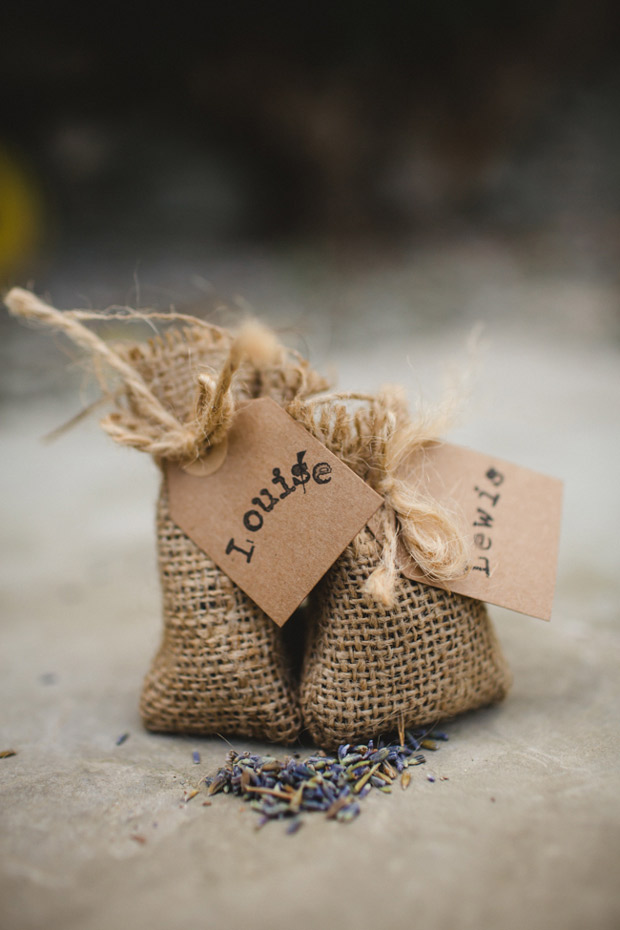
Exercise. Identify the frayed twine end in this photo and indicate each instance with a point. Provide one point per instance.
(381, 586)
(256, 344)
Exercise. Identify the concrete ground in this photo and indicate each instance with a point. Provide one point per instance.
(524, 831)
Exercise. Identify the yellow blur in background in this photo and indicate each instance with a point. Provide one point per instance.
(21, 216)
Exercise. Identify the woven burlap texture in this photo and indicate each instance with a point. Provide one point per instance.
(369, 670)
(221, 667)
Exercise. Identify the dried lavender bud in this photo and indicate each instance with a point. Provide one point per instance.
(285, 789)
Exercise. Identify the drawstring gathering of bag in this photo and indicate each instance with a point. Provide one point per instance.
(376, 440)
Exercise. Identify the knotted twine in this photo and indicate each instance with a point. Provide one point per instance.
(376, 440)
(146, 424)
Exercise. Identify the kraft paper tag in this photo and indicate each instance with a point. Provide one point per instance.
(277, 512)
(512, 515)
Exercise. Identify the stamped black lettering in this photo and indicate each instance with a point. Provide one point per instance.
(278, 478)
(266, 507)
(484, 518)
(232, 547)
(252, 520)
(484, 541)
(482, 568)
(299, 471)
(492, 497)
(320, 471)
(480, 539)
(495, 477)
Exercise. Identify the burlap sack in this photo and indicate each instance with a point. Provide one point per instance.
(370, 669)
(385, 652)
(222, 666)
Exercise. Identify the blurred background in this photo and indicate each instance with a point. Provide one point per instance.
(295, 155)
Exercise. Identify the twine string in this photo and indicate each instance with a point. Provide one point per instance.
(376, 440)
(147, 425)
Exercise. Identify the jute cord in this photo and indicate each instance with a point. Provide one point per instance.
(376, 439)
(147, 425)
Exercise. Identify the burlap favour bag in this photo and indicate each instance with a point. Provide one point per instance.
(370, 668)
(385, 652)
(222, 666)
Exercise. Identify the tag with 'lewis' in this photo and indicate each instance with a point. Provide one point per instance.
(277, 511)
(512, 517)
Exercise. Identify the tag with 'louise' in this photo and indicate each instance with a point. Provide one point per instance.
(276, 511)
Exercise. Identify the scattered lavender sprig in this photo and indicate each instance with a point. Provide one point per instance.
(333, 785)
